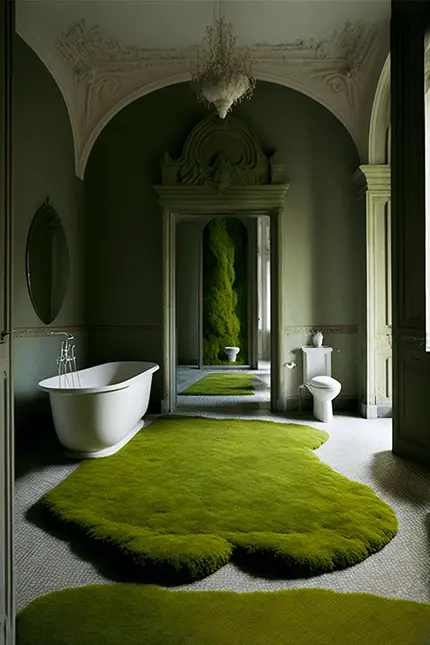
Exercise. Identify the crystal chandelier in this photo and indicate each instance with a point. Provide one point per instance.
(223, 79)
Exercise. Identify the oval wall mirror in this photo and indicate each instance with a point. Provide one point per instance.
(47, 263)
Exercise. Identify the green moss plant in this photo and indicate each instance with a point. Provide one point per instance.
(224, 290)
(131, 614)
(186, 495)
(222, 385)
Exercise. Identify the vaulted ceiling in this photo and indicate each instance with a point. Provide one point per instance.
(104, 54)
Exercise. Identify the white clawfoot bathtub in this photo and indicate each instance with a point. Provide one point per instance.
(100, 416)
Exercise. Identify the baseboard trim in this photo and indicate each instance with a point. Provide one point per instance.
(375, 411)
(368, 411)
(347, 402)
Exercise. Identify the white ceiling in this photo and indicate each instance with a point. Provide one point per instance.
(179, 23)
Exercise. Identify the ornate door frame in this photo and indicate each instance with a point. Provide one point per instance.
(222, 171)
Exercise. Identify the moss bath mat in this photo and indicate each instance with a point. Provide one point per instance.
(186, 495)
(135, 614)
(222, 385)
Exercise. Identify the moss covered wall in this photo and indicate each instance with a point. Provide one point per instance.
(225, 311)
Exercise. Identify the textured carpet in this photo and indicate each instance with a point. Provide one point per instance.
(135, 614)
(186, 495)
(222, 385)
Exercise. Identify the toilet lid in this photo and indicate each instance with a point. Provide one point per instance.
(323, 382)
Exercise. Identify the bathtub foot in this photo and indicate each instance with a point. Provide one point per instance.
(105, 452)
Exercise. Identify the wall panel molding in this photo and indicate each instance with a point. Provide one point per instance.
(37, 332)
(325, 329)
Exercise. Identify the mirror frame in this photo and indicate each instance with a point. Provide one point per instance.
(46, 204)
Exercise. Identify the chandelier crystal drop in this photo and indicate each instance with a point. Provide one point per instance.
(223, 80)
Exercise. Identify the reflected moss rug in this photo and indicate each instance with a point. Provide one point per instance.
(186, 495)
(143, 614)
(222, 385)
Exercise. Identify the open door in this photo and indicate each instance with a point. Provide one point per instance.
(7, 595)
(411, 358)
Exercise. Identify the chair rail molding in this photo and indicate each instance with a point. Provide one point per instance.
(38, 332)
(99, 76)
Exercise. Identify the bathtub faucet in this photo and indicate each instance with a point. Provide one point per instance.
(66, 362)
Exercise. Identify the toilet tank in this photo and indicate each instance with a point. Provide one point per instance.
(316, 362)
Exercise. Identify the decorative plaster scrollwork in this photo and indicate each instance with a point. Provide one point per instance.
(332, 71)
(88, 52)
(101, 89)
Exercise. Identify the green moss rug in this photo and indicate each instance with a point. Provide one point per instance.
(188, 494)
(222, 385)
(135, 614)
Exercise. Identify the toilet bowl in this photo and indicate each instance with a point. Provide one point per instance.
(324, 389)
(232, 352)
(319, 382)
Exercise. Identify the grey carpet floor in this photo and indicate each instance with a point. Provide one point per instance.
(358, 448)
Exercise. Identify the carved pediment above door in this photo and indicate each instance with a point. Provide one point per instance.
(222, 153)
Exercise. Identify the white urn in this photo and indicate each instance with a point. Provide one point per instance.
(317, 339)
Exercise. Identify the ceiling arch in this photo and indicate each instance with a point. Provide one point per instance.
(184, 77)
(45, 56)
(380, 118)
(98, 76)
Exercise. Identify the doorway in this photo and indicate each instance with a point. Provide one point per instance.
(222, 281)
(221, 172)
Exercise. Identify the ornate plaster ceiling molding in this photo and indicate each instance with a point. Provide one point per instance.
(108, 75)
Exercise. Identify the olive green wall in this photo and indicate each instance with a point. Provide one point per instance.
(323, 231)
(43, 166)
(188, 241)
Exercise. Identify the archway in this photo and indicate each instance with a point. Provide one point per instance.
(222, 171)
(380, 120)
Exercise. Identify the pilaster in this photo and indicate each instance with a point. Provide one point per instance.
(374, 186)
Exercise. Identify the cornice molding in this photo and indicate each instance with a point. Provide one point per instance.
(199, 200)
(105, 76)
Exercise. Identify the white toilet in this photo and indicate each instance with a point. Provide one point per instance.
(232, 352)
(318, 380)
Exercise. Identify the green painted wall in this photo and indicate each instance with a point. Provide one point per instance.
(43, 165)
(323, 228)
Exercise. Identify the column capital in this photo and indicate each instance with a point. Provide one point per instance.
(373, 178)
